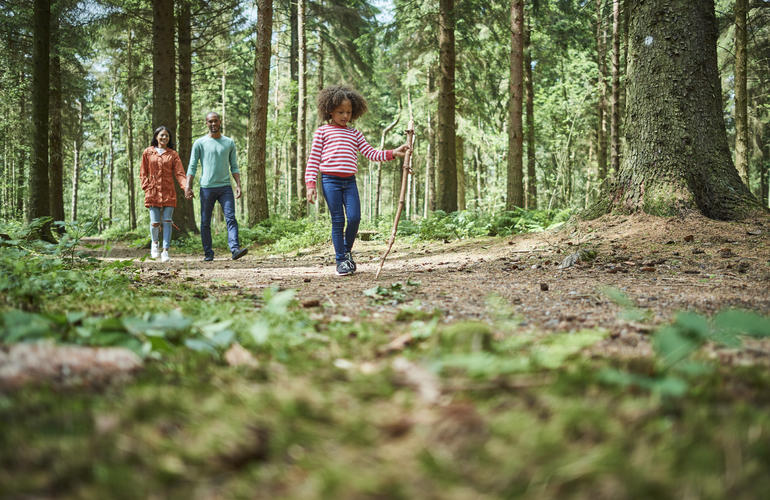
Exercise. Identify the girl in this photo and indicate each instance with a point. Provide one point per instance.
(334, 154)
(160, 164)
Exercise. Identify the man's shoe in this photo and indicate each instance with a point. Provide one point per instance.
(239, 252)
(344, 267)
(154, 251)
(164, 256)
(349, 257)
(208, 258)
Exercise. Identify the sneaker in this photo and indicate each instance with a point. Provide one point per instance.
(349, 258)
(154, 251)
(208, 258)
(164, 255)
(344, 267)
(239, 252)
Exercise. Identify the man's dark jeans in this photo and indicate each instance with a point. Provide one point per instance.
(341, 195)
(224, 195)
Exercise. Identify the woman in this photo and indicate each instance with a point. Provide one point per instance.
(160, 164)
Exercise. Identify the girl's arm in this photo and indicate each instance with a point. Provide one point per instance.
(314, 160)
(369, 152)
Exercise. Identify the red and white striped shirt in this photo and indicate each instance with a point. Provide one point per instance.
(335, 152)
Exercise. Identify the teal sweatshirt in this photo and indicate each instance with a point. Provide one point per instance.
(218, 161)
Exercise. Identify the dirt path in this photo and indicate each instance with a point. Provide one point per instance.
(663, 265)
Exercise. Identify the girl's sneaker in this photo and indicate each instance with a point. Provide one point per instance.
(154, 251)
(344, 268)
(164, 256)
(349, 258)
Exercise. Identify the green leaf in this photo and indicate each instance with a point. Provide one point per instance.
(199, 346)
(742, 322)
(672, 346)
(617, 296)
(693, 323)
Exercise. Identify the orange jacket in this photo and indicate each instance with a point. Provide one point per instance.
(157, 176)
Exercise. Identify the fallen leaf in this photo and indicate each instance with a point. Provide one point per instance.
(237, 355)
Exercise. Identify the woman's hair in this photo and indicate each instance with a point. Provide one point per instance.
(158, 130)
(331, 97)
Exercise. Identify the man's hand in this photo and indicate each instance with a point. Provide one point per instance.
(188, 193)
(311, 194)
(401, 151)
(237, 191)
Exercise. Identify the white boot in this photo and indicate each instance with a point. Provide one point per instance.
(154, 252)
(164, 255)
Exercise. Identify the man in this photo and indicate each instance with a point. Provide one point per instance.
(216, 153)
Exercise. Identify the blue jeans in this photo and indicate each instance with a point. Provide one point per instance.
(158, 215)
(209, 197)
(341, 195)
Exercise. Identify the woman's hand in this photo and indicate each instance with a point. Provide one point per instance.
(311, 194)
(401, 151)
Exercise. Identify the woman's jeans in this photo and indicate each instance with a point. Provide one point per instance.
(341, 195)
(209, 197)
(160, 215)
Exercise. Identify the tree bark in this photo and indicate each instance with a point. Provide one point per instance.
(677, 153)
(615, 112)
(301, 107)
(446, 195)
(601, 125)
(741, 94)
(294, 203)
(39, 204)
(56, 172)
(531, 198)
(163, 65)
(460, 158)
(111, 141)
(76, 162)
(430, 153)
(184, 214)
(130, 134)
(515, 184)
(257, 180)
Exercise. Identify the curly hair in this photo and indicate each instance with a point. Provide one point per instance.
(331, 97)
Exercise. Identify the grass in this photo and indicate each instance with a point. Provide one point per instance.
(325, 414)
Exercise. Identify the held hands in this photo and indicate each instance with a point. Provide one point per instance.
(401, 151)
(188, 194)
(311, 194)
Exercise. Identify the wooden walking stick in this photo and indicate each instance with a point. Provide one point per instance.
(406, 169)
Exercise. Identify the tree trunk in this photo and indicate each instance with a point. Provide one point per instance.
(615, 113)
(130, 135)
(515, 184)
(430, 153)
(294, 202)
(111, 141)
(531, 199)
(446, 196)
(301, 107)
(56, 172)
(741, 98)
(163, 65)
(677, 153)
(460, 158)
(601, 125)
(39, 197)
(76, 162)
(257, 180)
(184, 214)
(276, 145)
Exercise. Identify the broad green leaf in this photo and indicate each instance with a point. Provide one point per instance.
(742, 322)
(617, 296)
(693, 323)
(200, 346)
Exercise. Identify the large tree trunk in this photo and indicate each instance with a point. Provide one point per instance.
(257, 180)
(446, 196)
(56, 172)
(531, 198)
(111, 141)
(615, 112)
(515, 185)
(677, 153)
(184, 214)
(430, 153)
(741, 97)
(76, 162)
(163, 65)
(601, 124)
(301, 107)
(39, 198)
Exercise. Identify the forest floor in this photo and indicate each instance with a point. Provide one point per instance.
(663, 265)
(483, 368)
